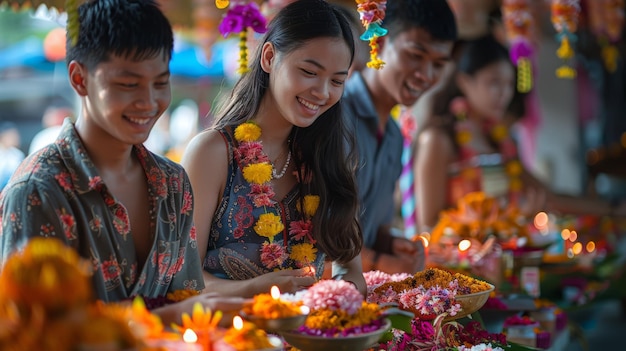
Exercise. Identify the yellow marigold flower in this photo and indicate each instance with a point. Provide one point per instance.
(499, 132)
(515, 184)
(248, 131)
(311, 202)
(565, 72)
(41, 273)
(268, 225)
(258, 173)
(463, 137)
(304, 253)
(469, 173)
(201, 319)
(513, 168)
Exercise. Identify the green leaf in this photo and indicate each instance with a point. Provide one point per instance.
(400, 319)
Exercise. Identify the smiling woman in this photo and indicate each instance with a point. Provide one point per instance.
(266, 213)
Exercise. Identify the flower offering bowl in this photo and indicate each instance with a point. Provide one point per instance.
(305, 342)
(276, 324)
(470, 303)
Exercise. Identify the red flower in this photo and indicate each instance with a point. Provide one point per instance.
(120, 222)
(65, 181)
(261, 194)
(95, 183)
(110, 269)
(187, 203)
(192, 234)
(68, 222)
(273, 255)
(301, 229)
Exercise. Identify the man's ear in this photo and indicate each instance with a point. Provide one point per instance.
(268, 55)
(78, 77)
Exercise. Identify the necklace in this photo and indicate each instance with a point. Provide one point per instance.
(257, 169)
(282, 171)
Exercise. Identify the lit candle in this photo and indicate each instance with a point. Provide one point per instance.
(275, 292)
(237, 323)
(190, 337)
(464, 245)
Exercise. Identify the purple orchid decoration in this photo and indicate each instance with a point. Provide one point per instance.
(240, 16)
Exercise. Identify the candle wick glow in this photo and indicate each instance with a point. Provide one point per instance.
(275, 292)
(237, 323)
(190, 336)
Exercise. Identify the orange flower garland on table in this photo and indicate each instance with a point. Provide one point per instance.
(257, 170)
(565, 20)
(519, 21)
(372, 13)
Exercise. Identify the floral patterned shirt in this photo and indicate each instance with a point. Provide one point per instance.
(57, 192)
(235, 249)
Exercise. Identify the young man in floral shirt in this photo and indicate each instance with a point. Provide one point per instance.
(97, 188)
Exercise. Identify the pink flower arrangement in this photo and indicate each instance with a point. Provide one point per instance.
(518, 320)
(431, 302)
(334, 295)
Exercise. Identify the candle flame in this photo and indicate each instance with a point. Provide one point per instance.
(190, 336)
(464, 244)
(565, 233)
(591, 247)
(275, 292)
(237, 323)
(541, 220)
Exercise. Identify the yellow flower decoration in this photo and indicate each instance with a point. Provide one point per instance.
(201, 319)
(221, 4)
(258, 173)
(303, 253)
(311, 202)
(565, 72)
(463, 137)
(268, 225)
(513, 168)
(41, 273)
(248, 131)
(499, 133)
(515, 184)
(469, 173)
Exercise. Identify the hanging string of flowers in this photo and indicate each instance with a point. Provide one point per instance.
(518, 21)
(606, 20)
(565, 21)
(241, 15)
(372, 13)
(257, 170)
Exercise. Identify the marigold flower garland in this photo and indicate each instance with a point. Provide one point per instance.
(241, 15)
(565, 20)
(519, 21)
(372, 13)
(499, 133)
(257, 170)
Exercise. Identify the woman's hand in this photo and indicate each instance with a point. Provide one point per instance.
(228, 305)
(288, 280)
(407, 257)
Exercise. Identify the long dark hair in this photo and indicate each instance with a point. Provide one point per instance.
(321, 147)
(470, 56)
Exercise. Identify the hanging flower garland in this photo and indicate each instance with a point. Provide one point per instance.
(241, 15)
(606, 20)
(372, 13)
(565, 21)
(518, 21)
(499, 133)
(257, 170)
